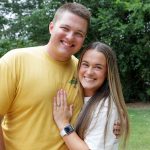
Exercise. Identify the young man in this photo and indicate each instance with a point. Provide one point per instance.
(30, 77)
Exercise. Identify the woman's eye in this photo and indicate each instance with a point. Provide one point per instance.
(84, 65)
(98, 67)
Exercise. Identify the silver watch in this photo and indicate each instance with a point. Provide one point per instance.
(66, 130)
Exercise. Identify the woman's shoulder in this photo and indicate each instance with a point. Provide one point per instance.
(109, 101)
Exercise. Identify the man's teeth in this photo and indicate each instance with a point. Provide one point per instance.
(67, 44)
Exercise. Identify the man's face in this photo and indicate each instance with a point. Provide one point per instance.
(67, 35)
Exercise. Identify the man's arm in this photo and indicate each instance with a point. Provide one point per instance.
(2, 146)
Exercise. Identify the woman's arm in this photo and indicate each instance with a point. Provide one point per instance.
(62, 114)
(95, 139)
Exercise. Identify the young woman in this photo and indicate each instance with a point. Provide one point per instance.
(103, 103)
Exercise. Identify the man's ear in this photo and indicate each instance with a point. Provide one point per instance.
(51, 26)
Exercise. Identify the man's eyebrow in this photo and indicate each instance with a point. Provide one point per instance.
(77, 30)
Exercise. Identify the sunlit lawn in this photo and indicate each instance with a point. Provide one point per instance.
(140, 129)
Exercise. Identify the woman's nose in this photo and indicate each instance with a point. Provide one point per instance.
(89, 70)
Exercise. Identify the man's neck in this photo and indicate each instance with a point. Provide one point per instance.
(51, 53)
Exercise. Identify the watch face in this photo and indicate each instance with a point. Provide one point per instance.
(68, 129)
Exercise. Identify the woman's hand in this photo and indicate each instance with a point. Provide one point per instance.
(62, 113)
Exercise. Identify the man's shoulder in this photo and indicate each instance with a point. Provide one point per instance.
(23, 51)
(21, 54)
(26, 49)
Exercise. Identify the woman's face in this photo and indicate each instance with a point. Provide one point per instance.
(92, 72)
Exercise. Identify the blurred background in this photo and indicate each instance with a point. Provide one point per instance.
(123, 24)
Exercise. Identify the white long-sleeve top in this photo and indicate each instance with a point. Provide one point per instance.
(95, 134)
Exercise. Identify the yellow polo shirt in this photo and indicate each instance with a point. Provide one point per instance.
(29, 79)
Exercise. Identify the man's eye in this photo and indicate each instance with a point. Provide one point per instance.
(79, 34)
(64, 28)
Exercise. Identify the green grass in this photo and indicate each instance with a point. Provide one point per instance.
(140, 129)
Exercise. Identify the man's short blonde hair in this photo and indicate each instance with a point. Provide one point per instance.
(75, 8)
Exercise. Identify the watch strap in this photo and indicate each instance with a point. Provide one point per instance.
(63, 133)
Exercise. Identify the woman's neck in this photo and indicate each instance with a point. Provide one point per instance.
(88, 94)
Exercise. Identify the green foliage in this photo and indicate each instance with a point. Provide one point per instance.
(37, 24)
(124, 25)
(6, 45)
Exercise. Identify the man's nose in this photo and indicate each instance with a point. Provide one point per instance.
(70, 35)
